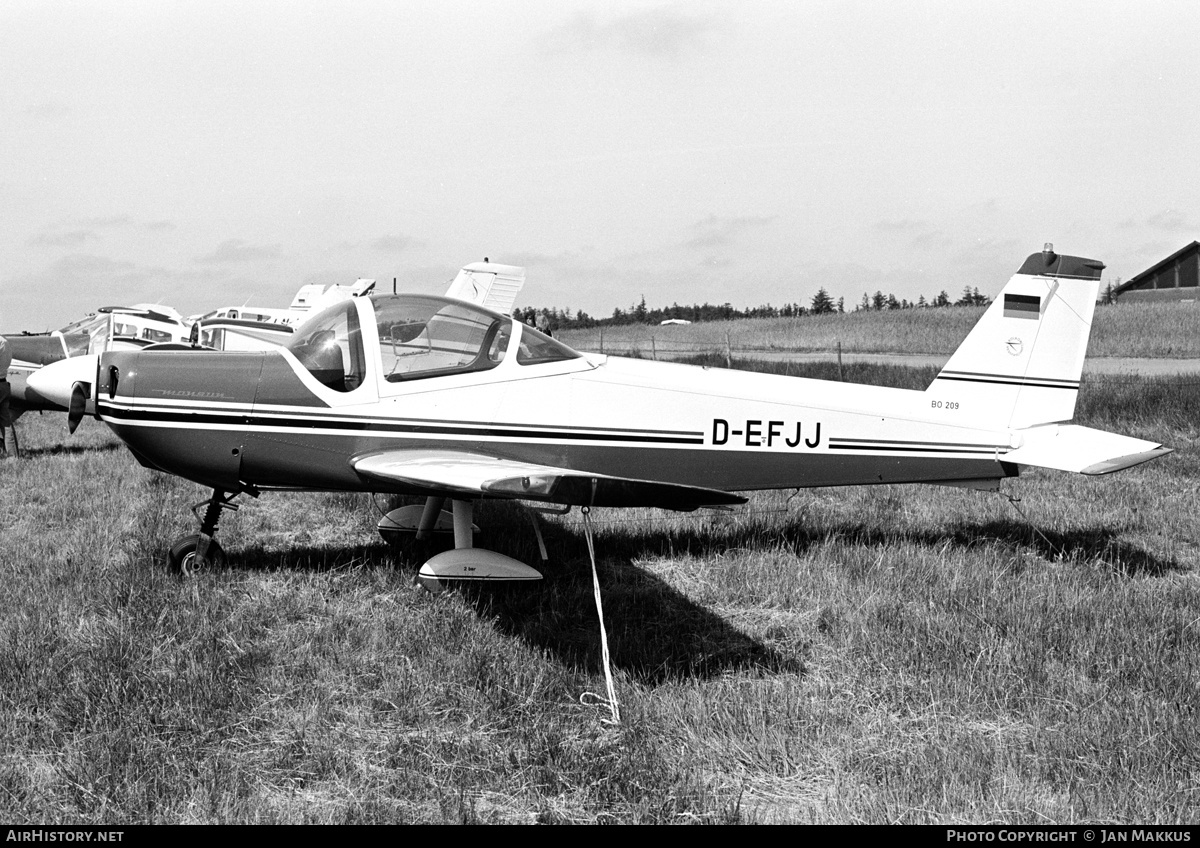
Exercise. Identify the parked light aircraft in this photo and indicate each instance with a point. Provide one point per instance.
(485, 283)
(247, 328)
(110, 328)
(262, 328)
(142, 325)
(436, 397)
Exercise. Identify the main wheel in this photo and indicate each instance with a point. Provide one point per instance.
(181, 557)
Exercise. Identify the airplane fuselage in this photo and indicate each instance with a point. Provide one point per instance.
(262, 420)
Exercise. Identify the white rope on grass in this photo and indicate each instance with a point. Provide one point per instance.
(591, 697)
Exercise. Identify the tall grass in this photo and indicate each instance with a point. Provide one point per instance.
(930, 331)
(1147, 329)
(1134, 330)
(888, 654)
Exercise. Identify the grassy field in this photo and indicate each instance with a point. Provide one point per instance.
(894, 654)
(1145, 329)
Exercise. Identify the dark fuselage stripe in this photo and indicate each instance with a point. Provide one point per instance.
(899, 445)
(369, 426)
(328, 414)
(835, 445)
(430, 422)
(496, 432)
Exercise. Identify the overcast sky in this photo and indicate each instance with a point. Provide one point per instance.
(210, 153)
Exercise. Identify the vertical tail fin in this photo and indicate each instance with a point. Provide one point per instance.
(1021, 364)
(488, 284)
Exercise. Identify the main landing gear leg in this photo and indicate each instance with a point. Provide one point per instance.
(430, 514)
(193, 553)
(423, 521)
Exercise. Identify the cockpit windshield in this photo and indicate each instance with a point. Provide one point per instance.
(536, 347)
(430, 336)
(330, 346)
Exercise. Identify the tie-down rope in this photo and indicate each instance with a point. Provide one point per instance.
(591, 697)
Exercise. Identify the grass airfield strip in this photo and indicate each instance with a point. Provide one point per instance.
(1094, 366)
(1126, 331)
(894, 654)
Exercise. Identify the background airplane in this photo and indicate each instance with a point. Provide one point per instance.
(488, 284)
(437, 397)
(262, 328)
(110, 328)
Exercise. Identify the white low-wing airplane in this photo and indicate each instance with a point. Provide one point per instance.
(441, 398)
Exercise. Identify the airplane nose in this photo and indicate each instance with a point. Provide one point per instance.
(55, 382)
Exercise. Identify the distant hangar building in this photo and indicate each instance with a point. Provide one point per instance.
(1176, 278)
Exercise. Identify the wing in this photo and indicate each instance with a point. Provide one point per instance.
(471, 474)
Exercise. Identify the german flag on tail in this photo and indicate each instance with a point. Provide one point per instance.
(1022, 306)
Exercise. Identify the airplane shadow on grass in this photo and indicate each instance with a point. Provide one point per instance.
(69, 450)
(1095, 546)
(656, 634)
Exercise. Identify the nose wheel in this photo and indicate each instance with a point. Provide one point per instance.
(182, 556)
(189, 554)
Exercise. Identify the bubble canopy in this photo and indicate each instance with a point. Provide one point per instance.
(420, 337)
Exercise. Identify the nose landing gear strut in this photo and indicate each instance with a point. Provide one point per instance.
(189, 554)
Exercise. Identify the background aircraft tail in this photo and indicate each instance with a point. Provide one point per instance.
(488, 284)
(1020, 365)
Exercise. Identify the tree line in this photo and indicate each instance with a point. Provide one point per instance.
(822, 304)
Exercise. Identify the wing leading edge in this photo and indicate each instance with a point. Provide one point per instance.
(472, 474)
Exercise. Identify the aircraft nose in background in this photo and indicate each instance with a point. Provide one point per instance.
(55, 381)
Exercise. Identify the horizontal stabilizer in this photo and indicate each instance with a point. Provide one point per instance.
(456, 474)
(1069, 447)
